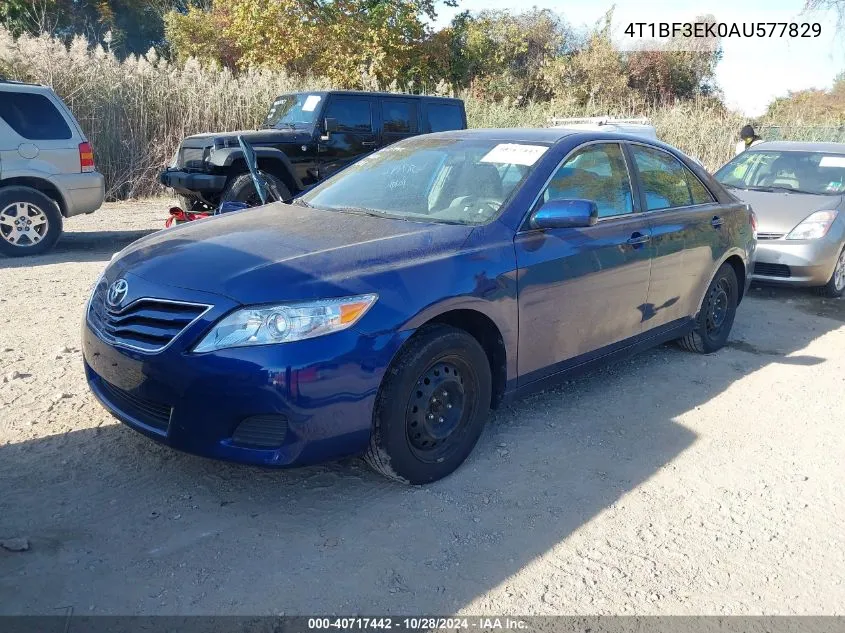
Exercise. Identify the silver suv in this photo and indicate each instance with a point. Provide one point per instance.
(46, 169)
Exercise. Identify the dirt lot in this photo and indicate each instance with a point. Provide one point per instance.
(669, 484)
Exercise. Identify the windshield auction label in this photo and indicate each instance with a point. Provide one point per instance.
(832, 161)
(311, 103)
(515, 154)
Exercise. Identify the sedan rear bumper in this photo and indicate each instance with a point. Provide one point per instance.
(796, 262)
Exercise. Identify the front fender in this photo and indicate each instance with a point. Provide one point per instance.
(226, 156)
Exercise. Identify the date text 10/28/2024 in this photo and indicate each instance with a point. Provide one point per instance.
(417, 624)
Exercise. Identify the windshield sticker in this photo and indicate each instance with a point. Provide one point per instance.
(514, 154)
(832, 161)
(834, 187)
(311, 103)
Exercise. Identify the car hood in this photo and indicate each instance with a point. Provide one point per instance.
(284, 252)
(782, 211)
(255, 137)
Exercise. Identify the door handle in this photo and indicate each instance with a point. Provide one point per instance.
(368, 143)
(716, 222)
(638, 238)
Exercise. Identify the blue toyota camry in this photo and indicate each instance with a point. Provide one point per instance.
(385, 311)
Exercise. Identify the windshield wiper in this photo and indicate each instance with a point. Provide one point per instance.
(782, 188)
(301, 203)
(791, 190)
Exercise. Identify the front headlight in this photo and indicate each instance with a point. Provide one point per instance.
(285, 323)
(814, 226)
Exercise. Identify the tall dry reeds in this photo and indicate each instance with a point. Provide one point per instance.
(137, 110)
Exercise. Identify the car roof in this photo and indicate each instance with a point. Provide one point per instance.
(549, 135)
(365, 93)
(533, 134)
(799, 146)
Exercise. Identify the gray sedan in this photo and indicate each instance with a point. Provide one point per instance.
(797, 191)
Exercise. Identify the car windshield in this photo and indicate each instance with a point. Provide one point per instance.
(431, 179)
(293, 111)
(820, 173)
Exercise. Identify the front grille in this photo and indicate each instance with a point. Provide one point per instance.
(770, 236)
(261, 431)
(772, 270)
(152, 414)
(191, 157)
(146, 324)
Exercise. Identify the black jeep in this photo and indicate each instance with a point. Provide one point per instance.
(306, 137)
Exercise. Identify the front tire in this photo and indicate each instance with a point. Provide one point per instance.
(30, 222)
(836, 284)
(716, 315)
(431, 407)
(242, 189)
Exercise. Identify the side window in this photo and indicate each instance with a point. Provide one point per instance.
(352, 114)
(444, 116)
(700, 194)
(596, 173)
(663, 178)
(33, 116)
(400, 117)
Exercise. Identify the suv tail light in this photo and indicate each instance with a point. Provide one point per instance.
(86, 157)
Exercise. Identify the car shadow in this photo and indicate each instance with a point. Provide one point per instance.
(134, 527)
(79, 246)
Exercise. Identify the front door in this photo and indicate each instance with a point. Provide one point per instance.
(581, 290)
(688, 235)
(355, 133)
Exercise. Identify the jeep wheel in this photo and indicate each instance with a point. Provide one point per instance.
(30, 222)
(190, 203)
(242, 189)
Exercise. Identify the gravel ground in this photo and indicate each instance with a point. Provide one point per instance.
(669, 484)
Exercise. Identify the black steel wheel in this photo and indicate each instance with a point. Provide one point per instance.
(716, 315)
(431, 407)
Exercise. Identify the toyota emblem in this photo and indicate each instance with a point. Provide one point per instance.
(117, 292)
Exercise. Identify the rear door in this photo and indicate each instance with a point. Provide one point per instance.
(355, 135)
(440, 116)
(688, 234)
(399, 119)
(581, 290)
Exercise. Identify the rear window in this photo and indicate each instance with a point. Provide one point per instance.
(444, 116)
(33, 116)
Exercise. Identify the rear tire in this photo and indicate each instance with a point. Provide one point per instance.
(242, 189)
(30, 222)
(716, 315)
(431, 407)
(836, 284)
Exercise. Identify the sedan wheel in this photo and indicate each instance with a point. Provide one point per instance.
(716, 314)
(431, 406)
(836, 285)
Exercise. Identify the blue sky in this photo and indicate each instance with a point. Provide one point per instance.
(752, 71)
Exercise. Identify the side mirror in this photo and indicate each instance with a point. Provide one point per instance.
(565, 214)
(329, 125)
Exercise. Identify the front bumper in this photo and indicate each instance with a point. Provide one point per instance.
(323, 389)
(796, 262)
(185, 182)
